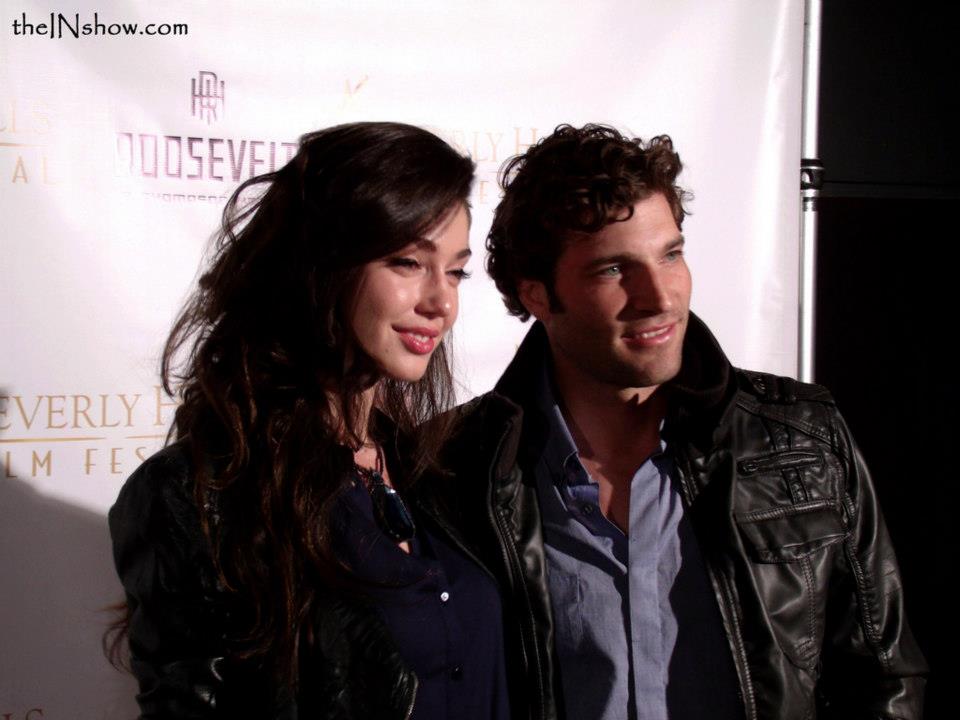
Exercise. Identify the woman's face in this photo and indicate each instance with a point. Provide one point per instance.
(406, 302)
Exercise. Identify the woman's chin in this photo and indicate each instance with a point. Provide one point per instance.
(409, 370)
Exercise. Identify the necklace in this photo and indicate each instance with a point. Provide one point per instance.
(389, 510)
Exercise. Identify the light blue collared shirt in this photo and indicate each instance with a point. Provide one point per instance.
(637, 630)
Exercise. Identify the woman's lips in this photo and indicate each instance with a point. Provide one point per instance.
(650, 337)
(418, 341)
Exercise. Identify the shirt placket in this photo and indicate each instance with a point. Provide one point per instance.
(646, 631)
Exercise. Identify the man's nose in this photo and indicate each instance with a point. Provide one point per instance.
(650, 291)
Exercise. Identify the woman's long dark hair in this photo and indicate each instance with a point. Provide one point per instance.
(259, 358)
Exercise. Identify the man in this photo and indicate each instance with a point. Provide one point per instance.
(676, 537)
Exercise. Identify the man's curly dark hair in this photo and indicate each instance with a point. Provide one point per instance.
(577, 180)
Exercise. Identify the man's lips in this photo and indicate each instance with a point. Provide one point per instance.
(650, 337)
(418, 340)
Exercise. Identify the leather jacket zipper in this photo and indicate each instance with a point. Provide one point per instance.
(527, 628)
(413, 699)
(725, 599)
(528, 624)
(736, 642)
(779, 461)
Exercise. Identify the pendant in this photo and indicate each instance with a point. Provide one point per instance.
(391, 513)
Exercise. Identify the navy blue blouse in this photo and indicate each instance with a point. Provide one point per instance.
(443, 611)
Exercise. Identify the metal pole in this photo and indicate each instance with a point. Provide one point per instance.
(811, 180)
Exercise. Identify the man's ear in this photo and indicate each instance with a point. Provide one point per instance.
(533, 295)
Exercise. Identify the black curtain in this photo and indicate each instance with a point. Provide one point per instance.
(887, 285)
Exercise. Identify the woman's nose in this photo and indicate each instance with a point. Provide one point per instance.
(439, 298)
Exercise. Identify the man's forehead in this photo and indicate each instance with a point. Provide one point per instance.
(628, 238)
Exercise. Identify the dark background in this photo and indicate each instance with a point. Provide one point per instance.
(887, 285)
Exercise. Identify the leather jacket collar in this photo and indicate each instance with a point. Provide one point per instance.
(701, 395)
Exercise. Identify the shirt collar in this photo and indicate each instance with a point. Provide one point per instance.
(560, 449)
(560, 454)
(701, 395)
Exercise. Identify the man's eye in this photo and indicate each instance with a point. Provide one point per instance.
(611, 271)
(674, 255)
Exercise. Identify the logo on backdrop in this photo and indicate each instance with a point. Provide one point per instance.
(46, 434)
(193, 165)
(171, 156)
(207, 96)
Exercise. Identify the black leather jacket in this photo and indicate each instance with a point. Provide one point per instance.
(785, 514)
(182, 622)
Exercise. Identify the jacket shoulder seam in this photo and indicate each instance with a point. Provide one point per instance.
(777, 413)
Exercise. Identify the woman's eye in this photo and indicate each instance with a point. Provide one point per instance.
(404, 262)
(460, 274)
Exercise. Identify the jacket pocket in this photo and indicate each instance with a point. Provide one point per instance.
(789, 546)
(792, 477)
(782, 460)
(788, 533)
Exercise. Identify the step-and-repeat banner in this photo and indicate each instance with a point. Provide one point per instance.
(124, 127)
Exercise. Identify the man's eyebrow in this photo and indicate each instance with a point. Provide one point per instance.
(431, 246)
(622, 258)
(618, 259)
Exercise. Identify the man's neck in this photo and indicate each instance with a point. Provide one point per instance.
(616, 427)
(615, 430)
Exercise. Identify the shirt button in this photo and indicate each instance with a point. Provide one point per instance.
(587, 509)
(456, 673)
(444, 596)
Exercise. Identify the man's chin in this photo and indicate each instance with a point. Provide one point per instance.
(645, 377)
(623, 377)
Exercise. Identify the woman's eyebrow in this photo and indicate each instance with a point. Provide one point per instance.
(431, 246)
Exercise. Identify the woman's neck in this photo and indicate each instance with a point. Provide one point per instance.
(352, 423)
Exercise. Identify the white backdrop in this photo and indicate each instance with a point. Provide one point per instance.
(117, 151)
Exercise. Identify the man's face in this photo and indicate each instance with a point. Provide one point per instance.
(625, 296)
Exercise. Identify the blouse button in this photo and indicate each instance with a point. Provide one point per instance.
(444, 596)
(587, 509)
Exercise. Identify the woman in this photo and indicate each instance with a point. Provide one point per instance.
(271, 566)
